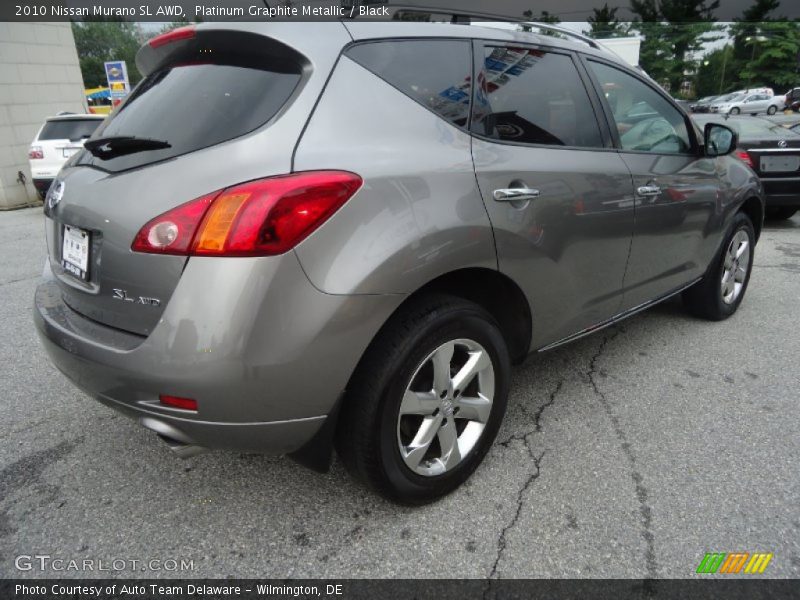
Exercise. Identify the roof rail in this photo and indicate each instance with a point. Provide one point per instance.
(466, 16)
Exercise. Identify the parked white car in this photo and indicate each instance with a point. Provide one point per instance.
(59, 138)
(752, 104)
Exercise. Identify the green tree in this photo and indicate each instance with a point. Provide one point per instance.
(715, 74)
(673, 33)
(604, 23)
(101, 41)
(747, 27)
(773, 61)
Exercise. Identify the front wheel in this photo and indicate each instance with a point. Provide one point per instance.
(721, 290)
(772, 110)
(735, 111)
(427, 400)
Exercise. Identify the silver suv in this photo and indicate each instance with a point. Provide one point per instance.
(294, 237)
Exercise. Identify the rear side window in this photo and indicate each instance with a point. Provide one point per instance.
(69, 129)
(435, 73)
(531, 96)
(195, 105)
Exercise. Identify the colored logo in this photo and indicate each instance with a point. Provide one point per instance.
(734, 562)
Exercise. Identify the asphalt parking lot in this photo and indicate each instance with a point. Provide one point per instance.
(630, 453)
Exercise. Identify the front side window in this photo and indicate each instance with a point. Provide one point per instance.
(532, 96)
(645, 120)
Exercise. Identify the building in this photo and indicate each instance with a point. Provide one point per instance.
(40, 76)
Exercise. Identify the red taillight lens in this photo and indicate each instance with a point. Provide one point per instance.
(178, 402)
(176, 35)
(259, 218)
(172, 232)
(35, 152)
(745, 158)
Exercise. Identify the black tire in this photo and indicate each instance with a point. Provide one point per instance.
(772, 110)
(368, 435)
(705, 298)
(781, 213)
(735, 110)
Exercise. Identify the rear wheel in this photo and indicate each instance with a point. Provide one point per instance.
(426, 402)
(772, 110)
(720, 292)
(780, 214)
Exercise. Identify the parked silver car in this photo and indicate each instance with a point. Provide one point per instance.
(346, 235)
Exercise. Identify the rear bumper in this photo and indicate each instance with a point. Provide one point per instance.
(782, 192)
(266, 363)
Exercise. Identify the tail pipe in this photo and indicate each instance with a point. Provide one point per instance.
(175, 440)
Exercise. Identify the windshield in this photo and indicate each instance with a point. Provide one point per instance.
(69, 129)
(730, 98)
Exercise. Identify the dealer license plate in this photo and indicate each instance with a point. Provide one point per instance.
(779, 164)
(75, 252)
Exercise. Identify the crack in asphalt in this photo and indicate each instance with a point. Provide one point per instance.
(537, 462)
(645, 510)
(501, 541)
(10, 281)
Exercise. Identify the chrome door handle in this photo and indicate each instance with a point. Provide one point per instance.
(515, 194)
(648, 190)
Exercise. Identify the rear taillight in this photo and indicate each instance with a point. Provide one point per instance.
(745, 158)
(259, 218)
(176, 35)
(35, 152)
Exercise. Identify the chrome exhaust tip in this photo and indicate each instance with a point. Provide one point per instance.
(175, 440)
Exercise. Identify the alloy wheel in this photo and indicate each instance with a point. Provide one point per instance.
(735, 267)
(445, 407)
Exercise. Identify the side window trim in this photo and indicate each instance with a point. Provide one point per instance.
(479, 47)
(690, 129)
(465, 41)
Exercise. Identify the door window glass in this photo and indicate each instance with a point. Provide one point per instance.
(534, 97)
(645, 120)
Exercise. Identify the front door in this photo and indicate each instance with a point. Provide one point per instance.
(558, 196)
(677, 190)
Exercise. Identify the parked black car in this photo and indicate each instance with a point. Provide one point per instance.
(773, 152)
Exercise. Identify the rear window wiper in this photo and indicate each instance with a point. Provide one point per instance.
(120, 145)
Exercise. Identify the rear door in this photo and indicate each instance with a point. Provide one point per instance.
(677, 189)
(756, 103)
(559, 198)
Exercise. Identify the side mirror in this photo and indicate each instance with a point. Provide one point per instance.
(719, 140)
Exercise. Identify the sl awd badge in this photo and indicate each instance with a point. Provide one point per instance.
(123, 295)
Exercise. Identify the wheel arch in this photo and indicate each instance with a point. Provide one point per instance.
(754, 209)
(496, 293)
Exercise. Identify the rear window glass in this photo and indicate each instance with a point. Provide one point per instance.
(69, 129)
(194, 106)
(435, 73)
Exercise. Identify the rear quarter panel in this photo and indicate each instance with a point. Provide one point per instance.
(419, 213)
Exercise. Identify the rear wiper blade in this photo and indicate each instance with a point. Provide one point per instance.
(120, 145)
